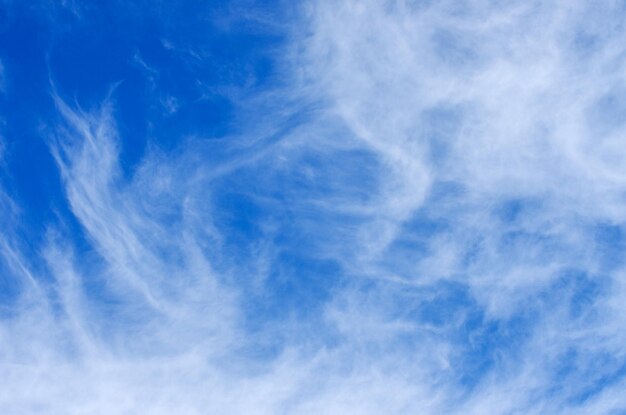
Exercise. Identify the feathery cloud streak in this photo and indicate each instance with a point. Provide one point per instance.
(425, 217)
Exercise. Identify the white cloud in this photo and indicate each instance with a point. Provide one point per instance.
(459, 167)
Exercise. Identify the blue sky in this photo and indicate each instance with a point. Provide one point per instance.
(312, 207)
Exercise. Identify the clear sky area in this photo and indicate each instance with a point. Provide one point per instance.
(324, 207)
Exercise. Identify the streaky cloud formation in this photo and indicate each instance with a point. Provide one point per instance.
(415, 208)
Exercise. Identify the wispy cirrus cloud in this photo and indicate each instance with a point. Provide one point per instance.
(426, 217)
(493, 127)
